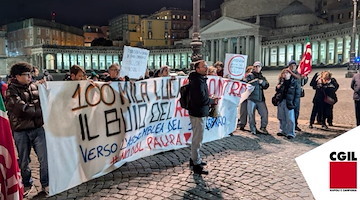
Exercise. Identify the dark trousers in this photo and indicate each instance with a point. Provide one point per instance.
(317, 110)
(357, 112)
(327, 112)
(297, 110)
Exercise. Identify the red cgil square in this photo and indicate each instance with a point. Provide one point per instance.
(343, 175)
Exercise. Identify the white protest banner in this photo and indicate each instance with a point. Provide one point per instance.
(93, 129)
(235, 66)
(134, 62)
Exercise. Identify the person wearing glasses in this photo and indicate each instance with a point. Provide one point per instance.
(114, 72)
(26, 120)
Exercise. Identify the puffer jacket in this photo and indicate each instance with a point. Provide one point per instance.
(258, 93)
(199, 96)
(290, 90)
(355, 85)
(23, 105)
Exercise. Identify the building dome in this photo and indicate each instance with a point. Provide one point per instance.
(296, 14)
(295, 8)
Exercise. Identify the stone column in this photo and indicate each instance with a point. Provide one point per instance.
(327, 51)
(247, 49)
(343, 49)
(258, 48)
(335, 50)
(229, 46)
(217, 51)
(247, 45)
(286, 56)
(277, 56)
(238, 45)
(55, 62)
(221, 50)
(294, 52)
(212, 50)
(269, 58)
(319, 52)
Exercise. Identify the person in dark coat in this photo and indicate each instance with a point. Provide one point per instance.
(355, 85)
(198, 111)
(256, 100)
(288, 88)
(26, 120)
(323, 87)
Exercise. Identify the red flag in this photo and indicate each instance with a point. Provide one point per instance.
(10, 175)
(305, 65)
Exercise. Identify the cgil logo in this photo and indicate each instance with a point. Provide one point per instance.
(343, 171)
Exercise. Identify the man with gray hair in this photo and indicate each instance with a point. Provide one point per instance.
(256, 100)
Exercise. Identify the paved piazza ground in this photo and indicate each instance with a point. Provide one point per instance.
(243, 166)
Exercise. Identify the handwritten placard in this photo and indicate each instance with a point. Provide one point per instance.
(134, 62)
(235, 66)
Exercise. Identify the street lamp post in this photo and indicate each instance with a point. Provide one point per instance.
(196, 43)
(352, 65)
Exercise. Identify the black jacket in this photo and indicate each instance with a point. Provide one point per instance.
(258, 93)
(355, 85)
(199, 95)
(322, 89)
(290, 90)
(23, 105)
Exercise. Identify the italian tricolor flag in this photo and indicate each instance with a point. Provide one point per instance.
(10, 175)
(305, 65)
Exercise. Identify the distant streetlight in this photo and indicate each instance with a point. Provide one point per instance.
(196, 43)
(353, 65)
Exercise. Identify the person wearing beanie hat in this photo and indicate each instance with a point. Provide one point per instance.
(256, 100)
(257, 63)
(292, 62)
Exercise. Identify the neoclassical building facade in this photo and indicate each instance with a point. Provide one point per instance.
(276, 38)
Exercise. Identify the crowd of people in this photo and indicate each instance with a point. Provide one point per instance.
(22, 102)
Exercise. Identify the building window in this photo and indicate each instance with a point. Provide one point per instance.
(133, 19)
(166, 25)
(38, 31)
(166, 17)
(340, 16)
(149, 24)
(150, 35)
(184, 17)
(178, 17)
(173, 16)
(166, 35)
(351, 15)
(47, 32)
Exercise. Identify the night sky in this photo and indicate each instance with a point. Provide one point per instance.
(81, 12)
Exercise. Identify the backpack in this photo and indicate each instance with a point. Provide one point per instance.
(185, 96)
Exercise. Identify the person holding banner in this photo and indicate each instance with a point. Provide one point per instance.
(114, 72)
(25, 116)
(220, 68)
(256, 100)
(164, 71)
(77, 73)
(198, 111)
